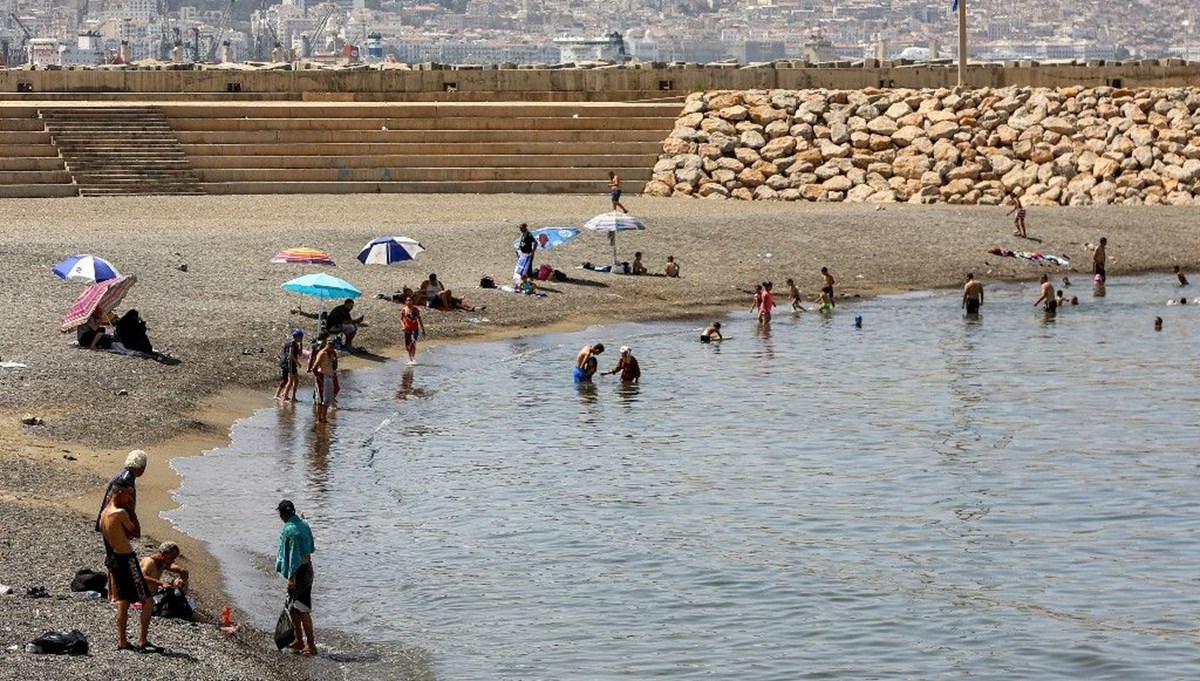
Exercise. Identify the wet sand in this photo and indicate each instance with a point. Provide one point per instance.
(225, 316)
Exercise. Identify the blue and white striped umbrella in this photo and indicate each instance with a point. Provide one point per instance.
(88, 269)
(612, 223)
(386, 250)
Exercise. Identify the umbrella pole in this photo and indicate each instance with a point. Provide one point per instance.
(614, 245)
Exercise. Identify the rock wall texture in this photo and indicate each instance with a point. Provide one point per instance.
(1067, 146)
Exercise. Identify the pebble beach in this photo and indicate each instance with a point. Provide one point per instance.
(213, 303)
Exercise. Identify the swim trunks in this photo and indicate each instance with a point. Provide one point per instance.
(1098, 270)
(1051, 306)
(410, 339)
(300, 596)
(128, 581)
(704, 338)
(827, 290)
(616, 195)
(328, 391)
(972, 306)
(581, 376)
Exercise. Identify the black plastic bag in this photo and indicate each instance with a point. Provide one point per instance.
(72, 642)
(90, 580)
(172, 603)
(284, 633)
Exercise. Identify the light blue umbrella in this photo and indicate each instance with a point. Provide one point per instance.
(322, 286)
(88, 269)
(549, 237)
(386, 250)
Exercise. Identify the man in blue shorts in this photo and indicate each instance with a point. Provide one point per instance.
(614, 191)
(586, 363)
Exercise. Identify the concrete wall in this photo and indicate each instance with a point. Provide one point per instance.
(600, 84)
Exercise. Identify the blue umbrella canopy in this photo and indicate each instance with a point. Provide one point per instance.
(322, 286)
(549, 237)
(88, 269)
(386, 250)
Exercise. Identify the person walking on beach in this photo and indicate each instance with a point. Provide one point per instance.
(766, 303)
(1019, 218)
(525, 249)
(325, 368)
(614, 191)
(135, 466)
(410, 320)
(118, 526)
(972, 298)
(1047, 296)
(289, 367)
(293, 560)
(586, 363)
(827, 283)
(627, 366)
(1099, 256)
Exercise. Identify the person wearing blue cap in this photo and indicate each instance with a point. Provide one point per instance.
(289, 366)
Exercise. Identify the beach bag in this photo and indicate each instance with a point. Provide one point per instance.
(90, 580)
(172, 604)
(72, 642)
(285, 355)
(284, 633)
(543, 272)
(487, 282)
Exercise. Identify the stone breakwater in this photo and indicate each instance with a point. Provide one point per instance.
(1067, 146)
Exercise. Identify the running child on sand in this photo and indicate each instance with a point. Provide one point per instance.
(1019, 219)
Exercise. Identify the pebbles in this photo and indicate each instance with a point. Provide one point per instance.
(1067, 146)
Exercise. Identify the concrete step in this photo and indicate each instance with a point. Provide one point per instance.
(20, 177)
(661, 125)
(8, 137)
(37, 191)
(28, 150)
(23, 124)
(402, 136)
(174, 191)
(31, 163)
(594, 176)
(603, 161)
(432, 110)
(353, 149)
(482, 187)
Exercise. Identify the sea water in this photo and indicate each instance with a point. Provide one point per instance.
(1012, 496)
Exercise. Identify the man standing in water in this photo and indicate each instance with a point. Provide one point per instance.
(972, 294)
(325, 367)
(118, 526)
(1099, 256)
(294, 561)
(1047, 296)
(586, 363)
(614, 191)
(627, 366)
(410, 320)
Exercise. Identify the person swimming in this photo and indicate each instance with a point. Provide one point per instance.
(713, 329)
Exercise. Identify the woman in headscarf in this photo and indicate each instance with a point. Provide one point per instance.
(131, 330)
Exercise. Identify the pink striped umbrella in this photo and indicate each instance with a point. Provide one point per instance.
(104, 297)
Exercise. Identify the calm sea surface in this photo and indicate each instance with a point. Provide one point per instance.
(924, 498)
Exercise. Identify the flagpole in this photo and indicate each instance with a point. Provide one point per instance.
(962, 42)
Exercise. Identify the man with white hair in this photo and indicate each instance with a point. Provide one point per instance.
(163, 560)
(135, 465)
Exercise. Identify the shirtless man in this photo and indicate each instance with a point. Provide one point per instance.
(1098, 258)
(713, 331)
(325, 365)
(586, 363)
(163, 560)
(627, 366)
(118, 526)
(614, 191)
(972, 298)
(639, 268)
(1047, 296)
(827, 283)
(672, 267)
(1018, 218)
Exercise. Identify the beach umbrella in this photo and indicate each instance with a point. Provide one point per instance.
(549, 237)
(89, 269)
(104, 296)
(612, 223)
(321, 286)
(302, 256)
(386, 250)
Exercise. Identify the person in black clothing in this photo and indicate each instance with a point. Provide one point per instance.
(340, 321)
(131, 331)
(526, 248)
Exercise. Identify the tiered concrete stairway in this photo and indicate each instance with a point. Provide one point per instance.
(120, 150)
(517, 147)
(29, 164)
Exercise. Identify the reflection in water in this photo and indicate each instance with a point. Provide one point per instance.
(907, 490)
(767, 346)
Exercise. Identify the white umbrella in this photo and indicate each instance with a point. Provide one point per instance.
(612, 223)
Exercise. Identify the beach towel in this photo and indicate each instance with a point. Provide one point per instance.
(522, 266)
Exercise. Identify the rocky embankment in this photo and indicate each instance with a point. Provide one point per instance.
(1067, 146)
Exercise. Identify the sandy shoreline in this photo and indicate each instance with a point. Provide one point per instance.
(228, 302)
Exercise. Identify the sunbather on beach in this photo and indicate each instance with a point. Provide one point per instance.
(672, 267)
